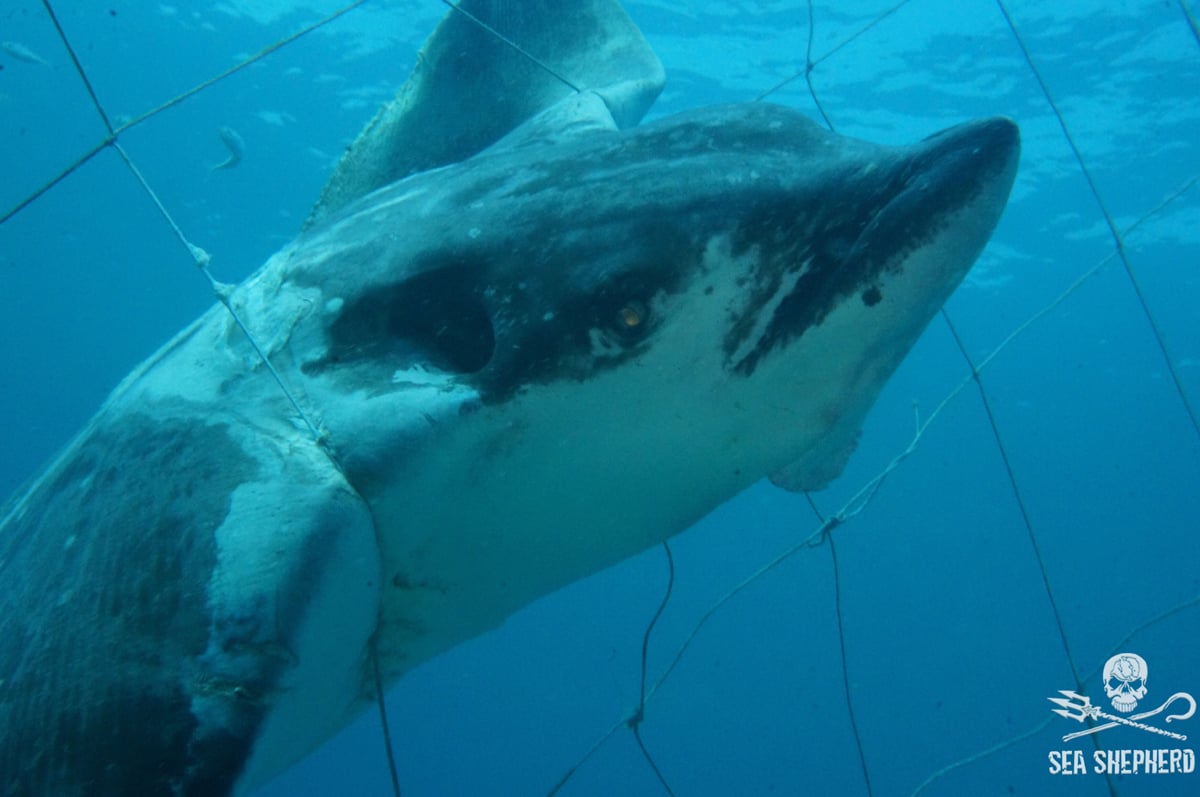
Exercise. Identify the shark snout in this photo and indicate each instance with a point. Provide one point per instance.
(981, 153)
(966, 170)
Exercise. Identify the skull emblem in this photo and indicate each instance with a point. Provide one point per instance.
(1125, 676)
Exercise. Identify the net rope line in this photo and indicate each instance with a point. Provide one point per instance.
(1130, 272)
(114, 133)
(1190, 19)
(201, 258)
(384, 726)
(849, 510)
(1026, 520)
(843, 658)
(491, 31)
(810, 64)
(635, 721)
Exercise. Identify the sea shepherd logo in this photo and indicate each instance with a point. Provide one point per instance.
(1126, 678)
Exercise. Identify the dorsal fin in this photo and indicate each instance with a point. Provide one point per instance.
(469, 89)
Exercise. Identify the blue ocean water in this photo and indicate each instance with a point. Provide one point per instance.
(952, 644)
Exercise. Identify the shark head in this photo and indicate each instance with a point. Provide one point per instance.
(591, 337)
(738, 264)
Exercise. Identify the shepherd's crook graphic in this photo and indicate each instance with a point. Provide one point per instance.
(1088, 711)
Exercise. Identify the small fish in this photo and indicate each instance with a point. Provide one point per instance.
(23, 53)
(236, 146)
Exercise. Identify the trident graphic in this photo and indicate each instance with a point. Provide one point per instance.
(1073, 702)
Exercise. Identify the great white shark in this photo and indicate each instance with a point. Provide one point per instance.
(532, 339)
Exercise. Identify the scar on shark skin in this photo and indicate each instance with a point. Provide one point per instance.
(236, 146)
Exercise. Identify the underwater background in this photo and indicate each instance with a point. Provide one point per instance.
(1047, 517)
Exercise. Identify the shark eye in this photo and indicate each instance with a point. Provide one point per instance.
(631, 316)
